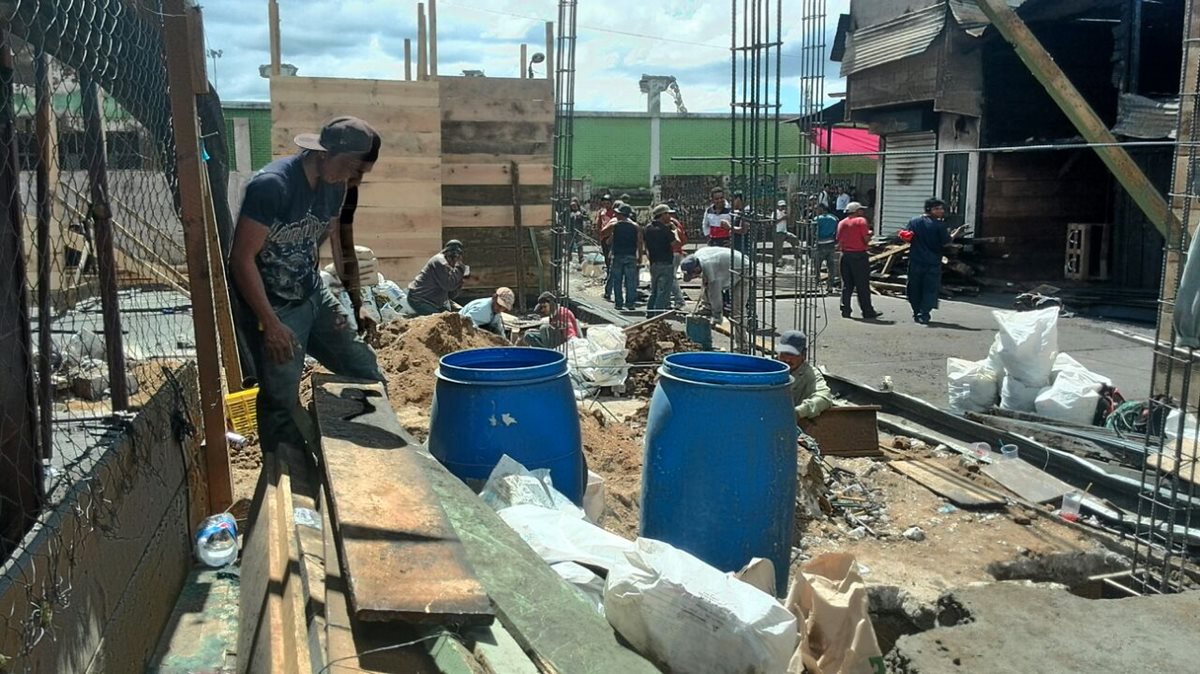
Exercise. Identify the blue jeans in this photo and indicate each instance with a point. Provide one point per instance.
(323, 329)
(662, 283)
(924, 284)
(624, 275)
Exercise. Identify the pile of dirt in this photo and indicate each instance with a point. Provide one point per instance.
(408, 353)
(651, 343)
(614, 451)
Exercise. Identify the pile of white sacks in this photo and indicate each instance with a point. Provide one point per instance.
(1025, 372)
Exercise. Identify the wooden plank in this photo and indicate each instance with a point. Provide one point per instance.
(554, 624)
(1026, 481)
(493, 216)
(499, 652)
(1143, 192)
(395, 92)
(187, 160)
(384, 533)
(495, 173)
(945, 482)
(492, 195)
(845, 430)
(400, 196)
(394, 169)
(500, 138)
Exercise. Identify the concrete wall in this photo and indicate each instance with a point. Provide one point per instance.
(116, 548)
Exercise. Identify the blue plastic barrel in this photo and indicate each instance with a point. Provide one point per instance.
(507, 400)
(719, 478)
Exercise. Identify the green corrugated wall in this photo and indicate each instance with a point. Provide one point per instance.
(260, 135)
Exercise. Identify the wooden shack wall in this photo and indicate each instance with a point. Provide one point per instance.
(400, 206)
(488, 124)
(445, 170)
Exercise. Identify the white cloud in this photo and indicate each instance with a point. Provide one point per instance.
(618, 42)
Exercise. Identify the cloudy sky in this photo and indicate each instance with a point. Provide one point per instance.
(618, 42)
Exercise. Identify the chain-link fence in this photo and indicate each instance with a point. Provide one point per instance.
(95, 311)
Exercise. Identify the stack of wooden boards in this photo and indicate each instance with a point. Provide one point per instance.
(461, 158)
(405, 569)
(889, 269)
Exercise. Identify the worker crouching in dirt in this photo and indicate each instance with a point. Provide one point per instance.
(560, 328)
(810, 394)
(487, 313)
(289, 207)
(438, 281)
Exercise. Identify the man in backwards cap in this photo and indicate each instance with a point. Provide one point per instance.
(289, 208)
(440, 279)
(810, 394)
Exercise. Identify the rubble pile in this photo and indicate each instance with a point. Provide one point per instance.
(650, 343)
(960, 273)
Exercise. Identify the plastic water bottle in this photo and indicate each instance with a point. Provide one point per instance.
(216, 542)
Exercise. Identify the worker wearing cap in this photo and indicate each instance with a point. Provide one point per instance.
(561, 325)
(487, 313)
(854, 240)
(627, 250)
(782, 235)
(438, 281)
(715, 266)
(659, 237)
(810, 394)
(289, 207)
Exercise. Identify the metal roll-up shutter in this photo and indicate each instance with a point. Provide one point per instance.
(908, 179)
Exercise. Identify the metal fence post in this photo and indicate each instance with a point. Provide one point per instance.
(21, 485)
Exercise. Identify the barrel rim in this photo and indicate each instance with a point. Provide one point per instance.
(676, 366)
(458, 366)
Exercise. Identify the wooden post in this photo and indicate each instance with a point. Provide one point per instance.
(515, 178)
(524, 61)
(47, 176)
(1086, 121)
(221, 305)
(180, 53)
(101, 212)
(433, 39)
(273, 31)
(550, 69)
(422, 44)
(21, 486)
(407, 59)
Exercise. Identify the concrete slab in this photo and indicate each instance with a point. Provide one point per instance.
(1018, 627)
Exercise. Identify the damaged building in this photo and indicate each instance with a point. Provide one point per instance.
(961, 117)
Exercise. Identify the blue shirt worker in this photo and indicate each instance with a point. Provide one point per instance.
(289, 208)
(825, 250)
(929, 235)
(487, 313)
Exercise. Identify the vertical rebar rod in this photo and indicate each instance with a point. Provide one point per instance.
(44, 134)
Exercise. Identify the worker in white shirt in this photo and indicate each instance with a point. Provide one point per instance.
(486, 312)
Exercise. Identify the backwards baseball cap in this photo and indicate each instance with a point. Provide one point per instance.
(793, 343)
(505, 298)
(689, 264)
(453, 245)
(340, 135)
(660, 210)
(854, 206)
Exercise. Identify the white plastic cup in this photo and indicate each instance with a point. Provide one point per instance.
(216, 540)
(1070, 506)
(1008, 452)
(981, 449)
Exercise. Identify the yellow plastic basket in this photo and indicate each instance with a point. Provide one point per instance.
(241, 409)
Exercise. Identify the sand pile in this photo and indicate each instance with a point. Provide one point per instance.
(408, 353)
(614, 451)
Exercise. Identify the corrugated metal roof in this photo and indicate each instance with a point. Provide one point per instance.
(893, 40)
(1146, 118)
(972, 19)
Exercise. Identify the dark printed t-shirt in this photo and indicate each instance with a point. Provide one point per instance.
(298, 219)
